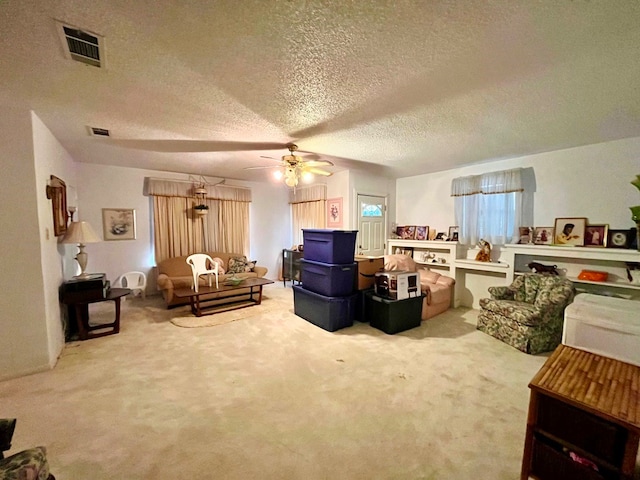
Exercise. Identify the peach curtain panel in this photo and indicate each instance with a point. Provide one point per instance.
(308, 209)
(179, 231)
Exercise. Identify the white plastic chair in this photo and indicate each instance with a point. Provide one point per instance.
(135, 281)
(202, 264)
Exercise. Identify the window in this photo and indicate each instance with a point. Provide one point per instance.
(371, 210)
(488, 206)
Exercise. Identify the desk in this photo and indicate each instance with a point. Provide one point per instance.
(79, 308)
(585, 405)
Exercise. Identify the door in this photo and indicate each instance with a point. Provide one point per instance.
(372, 218)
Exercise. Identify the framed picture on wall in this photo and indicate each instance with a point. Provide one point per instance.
(119, 223)
(57, 193)
(334, 212)
(570, 231)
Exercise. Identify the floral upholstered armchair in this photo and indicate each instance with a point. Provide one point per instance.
(30, 464)
(529, 313)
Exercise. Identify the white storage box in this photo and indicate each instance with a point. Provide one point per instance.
(603, 325)
(397, 284)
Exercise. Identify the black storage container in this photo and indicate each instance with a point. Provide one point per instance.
(329, 313)
(393, 316)
(330, 279)
(329, 246)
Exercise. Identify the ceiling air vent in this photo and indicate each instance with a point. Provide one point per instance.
(99, 132)
(82, 46)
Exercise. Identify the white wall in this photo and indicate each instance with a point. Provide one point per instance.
(24, 343)
(591, 181)
(52, 159)
(102, 186)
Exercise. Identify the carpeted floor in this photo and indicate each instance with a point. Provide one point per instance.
(271, 396)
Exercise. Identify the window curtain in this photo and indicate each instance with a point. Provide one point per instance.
(308, 210)
(178, 230)
(488, 206)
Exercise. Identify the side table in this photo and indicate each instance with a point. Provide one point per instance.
(79, 308)
(584, 418)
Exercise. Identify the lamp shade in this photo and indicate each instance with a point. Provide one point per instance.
(80, 232)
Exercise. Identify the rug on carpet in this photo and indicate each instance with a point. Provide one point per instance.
(213, 319)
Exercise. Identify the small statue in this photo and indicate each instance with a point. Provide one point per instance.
(540, 268)
(484, 255)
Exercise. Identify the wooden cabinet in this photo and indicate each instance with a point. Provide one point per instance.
(584, 418)
(291, 265)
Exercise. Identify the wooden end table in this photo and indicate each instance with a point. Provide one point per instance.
(79, 307)
(584, 418)
(226, 302)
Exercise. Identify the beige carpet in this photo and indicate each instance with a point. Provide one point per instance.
(211, 320)
(275, 397)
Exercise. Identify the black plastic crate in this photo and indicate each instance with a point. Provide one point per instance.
(393, 316)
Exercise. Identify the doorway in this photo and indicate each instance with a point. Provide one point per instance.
(372, 220)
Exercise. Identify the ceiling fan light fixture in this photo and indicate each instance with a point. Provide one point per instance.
(278, 175)
(307, 177)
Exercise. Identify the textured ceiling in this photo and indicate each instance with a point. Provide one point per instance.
(398, 87)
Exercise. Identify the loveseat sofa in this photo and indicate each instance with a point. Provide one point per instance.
(436, 288)
(175, 273)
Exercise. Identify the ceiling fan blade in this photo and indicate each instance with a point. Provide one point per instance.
(262, 167)
(317, 171)
(318, 163)
(178, 146)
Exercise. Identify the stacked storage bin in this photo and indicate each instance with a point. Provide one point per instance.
(326, 297)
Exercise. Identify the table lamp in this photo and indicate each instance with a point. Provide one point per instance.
(81, 233)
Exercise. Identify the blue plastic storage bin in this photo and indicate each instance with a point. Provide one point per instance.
(329, 313)
(329, 246)
(330, 279)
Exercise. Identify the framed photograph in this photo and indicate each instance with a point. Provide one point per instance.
(543, 235)
(422, 233)
(619, 238)
(569, 231)
(453, 234)
(119, 223)
(439, 236)
(596, 235)
(408, 232)
(525, 235)
(334, 212)
(57, 193)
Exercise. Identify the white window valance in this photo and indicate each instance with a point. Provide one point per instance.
(183, 188)
(312, 193)
(504, 181)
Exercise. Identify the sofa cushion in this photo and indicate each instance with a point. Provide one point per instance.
(221, 267)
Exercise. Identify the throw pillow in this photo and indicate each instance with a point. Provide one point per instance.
(237, 264)
(220, 263)
(250, 266)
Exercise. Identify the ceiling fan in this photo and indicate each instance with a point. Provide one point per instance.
(295, 167)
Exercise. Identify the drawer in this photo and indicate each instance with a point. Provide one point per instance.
(550, 462)
(599, 437)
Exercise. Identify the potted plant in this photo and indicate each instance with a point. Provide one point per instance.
(201, 209)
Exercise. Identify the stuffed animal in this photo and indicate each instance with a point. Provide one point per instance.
(540, 268)
(484, 255)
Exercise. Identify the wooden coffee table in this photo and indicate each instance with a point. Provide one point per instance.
(228, 302)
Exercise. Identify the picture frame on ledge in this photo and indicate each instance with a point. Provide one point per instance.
(596, 236)
(422, 232)
(543, 235)
(119, 223)
(453, 234)
(619, 238)
(569, 231)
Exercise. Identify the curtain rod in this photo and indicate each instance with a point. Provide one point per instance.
(219, 184)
